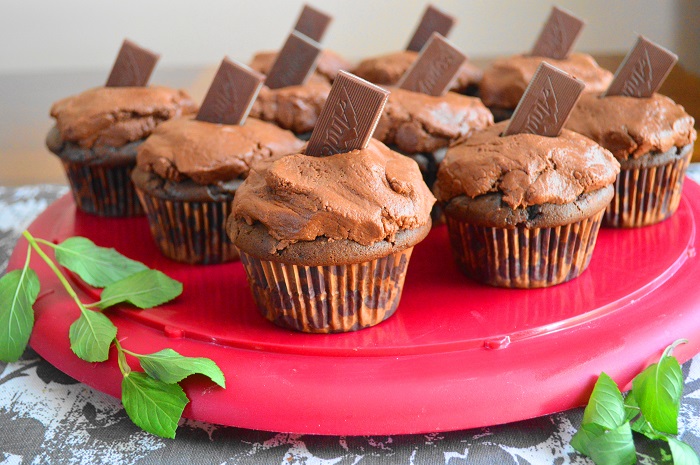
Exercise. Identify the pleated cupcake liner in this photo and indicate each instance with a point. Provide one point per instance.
(190, 232)
(104, 190)
(327, 299)
(522, 257)
(646, 196)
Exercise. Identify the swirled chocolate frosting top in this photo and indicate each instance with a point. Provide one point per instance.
(366, 195)
(527, 169)
(115, 116)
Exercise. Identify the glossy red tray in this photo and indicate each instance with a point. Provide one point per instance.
(455, 355)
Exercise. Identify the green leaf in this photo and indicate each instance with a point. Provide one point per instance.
(97, 266)
(18, 292)
(170, 367)
(91, 335)
(145, 289)
(614, 447)
(631, 407)
(606, 407)
(642, 426)
(153, 405)
(584, 436)
(682, 453)
(658, 391)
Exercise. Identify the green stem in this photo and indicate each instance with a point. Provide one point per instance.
(33, 242)
(121, 358)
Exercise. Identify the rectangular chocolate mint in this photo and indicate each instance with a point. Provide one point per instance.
(643, 70)
(312, 23)
(133, 66)
(231, 94)
(558, 35)
(435, 69)
(349, 117)
(295, 62)
(433, 20)
(546, 104)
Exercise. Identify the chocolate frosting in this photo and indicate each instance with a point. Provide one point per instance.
(631, 127)
(388, 69)
(365, 196)
(416, 122)
(115, 116)
(505, 81)
(327, 67)
(295, 107)
(527, 169)
(211, 154)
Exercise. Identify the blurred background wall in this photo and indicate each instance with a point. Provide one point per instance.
(43, 35)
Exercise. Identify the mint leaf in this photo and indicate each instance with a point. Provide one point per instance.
(144, 289)
(97, 266)
(91, 335)
(614, 447)
(658, 391)
(631, 407)
(18, 292)
(153, 405)
(682, 453)
(583, 437)
(606, 407)
(170, 367)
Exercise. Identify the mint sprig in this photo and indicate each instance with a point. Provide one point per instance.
(651, 408)
(153, 399)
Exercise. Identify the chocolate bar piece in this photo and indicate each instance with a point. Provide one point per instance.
(313, 23)
(231, 94)
(643, 70)
(295, 62)
(558, 35)
(435, 69)
(546, 104)
(349, 117)
(133, 66)
(433, 20)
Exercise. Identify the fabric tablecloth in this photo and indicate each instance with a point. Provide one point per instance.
(46, 417)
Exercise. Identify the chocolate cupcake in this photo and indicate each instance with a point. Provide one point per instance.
(327, 66)
(187, 175)
(422, 126)
(295, 108)
(388, 69)
(652, 138)
(291, 97)
(97, 134)
(505, 80)
(524, 210)
(326, 240)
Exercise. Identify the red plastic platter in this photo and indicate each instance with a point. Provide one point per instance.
(455, 355)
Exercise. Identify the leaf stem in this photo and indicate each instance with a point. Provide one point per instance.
(121, 358)
(33, 242)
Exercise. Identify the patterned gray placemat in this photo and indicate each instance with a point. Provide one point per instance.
(46, 417)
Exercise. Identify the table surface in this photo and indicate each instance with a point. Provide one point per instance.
(47, 417)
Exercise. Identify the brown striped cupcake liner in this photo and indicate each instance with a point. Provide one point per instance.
(188, 231)
(327, 299)
(524, 257)
(103, 189)
(646, 195)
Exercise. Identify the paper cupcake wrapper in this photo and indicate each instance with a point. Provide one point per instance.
(646, 196)
(190, 232)
(327, 299)
(522, 257)
(104, 190)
